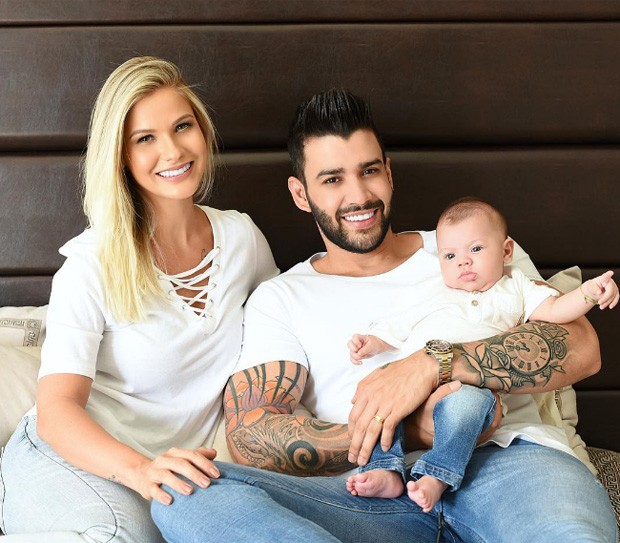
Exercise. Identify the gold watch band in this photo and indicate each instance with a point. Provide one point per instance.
(445, 368)
(441, 350)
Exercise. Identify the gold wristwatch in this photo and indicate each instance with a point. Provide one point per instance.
(442, 351)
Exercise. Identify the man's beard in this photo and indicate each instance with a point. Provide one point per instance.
(362, 242)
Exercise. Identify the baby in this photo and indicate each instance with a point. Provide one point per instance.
(473, 247)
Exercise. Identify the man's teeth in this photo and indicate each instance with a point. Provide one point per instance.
(358, 218)
(173, 173)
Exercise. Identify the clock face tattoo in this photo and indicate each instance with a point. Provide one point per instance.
(527, 356)
(530, 353)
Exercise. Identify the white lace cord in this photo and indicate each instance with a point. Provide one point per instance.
(182, 281)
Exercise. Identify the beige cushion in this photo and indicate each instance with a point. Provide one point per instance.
(19, 367)
(22, 325)
(566, 280)
(22, 331)
(559, 407)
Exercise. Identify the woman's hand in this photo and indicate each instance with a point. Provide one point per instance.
(194, 465)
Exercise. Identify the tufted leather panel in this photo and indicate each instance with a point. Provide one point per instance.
(598, 421)
(430, 84)
(541, 191)
(41, 210)
(198, 11)
(18, 290)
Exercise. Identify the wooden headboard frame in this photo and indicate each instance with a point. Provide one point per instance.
(472, 98)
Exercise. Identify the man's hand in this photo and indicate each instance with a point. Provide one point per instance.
(384, 398)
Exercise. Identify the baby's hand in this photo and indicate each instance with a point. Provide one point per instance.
(355, 344)
(603, 289)
(365, 346)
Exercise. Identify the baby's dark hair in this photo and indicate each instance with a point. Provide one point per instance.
(335, 112)
(465, 207)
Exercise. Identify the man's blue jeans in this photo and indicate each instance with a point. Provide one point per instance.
(459, 420)
(525, 493)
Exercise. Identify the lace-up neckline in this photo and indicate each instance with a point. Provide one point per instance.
(198, 282)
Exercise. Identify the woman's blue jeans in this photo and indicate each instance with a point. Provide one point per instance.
(525, 493)
(41, 492)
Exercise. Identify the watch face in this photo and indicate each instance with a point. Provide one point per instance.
(439, 346)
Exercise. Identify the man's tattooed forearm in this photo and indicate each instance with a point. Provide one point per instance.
(524, 356)
(295, 445)
(263, 430)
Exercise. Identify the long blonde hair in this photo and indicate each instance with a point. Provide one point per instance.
(122, 218)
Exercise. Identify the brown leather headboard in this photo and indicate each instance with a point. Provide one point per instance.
(516, 102)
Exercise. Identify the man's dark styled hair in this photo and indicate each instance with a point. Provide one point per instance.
(335, 112)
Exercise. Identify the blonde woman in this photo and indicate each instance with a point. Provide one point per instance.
(144, 323)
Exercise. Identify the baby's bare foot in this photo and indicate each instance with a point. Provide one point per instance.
(377, 483)
(426, 491)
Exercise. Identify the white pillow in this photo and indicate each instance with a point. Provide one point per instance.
(19, 367)
(23, 326)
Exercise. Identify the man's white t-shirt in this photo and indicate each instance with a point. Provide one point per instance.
(157, 383)
(307, 317)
